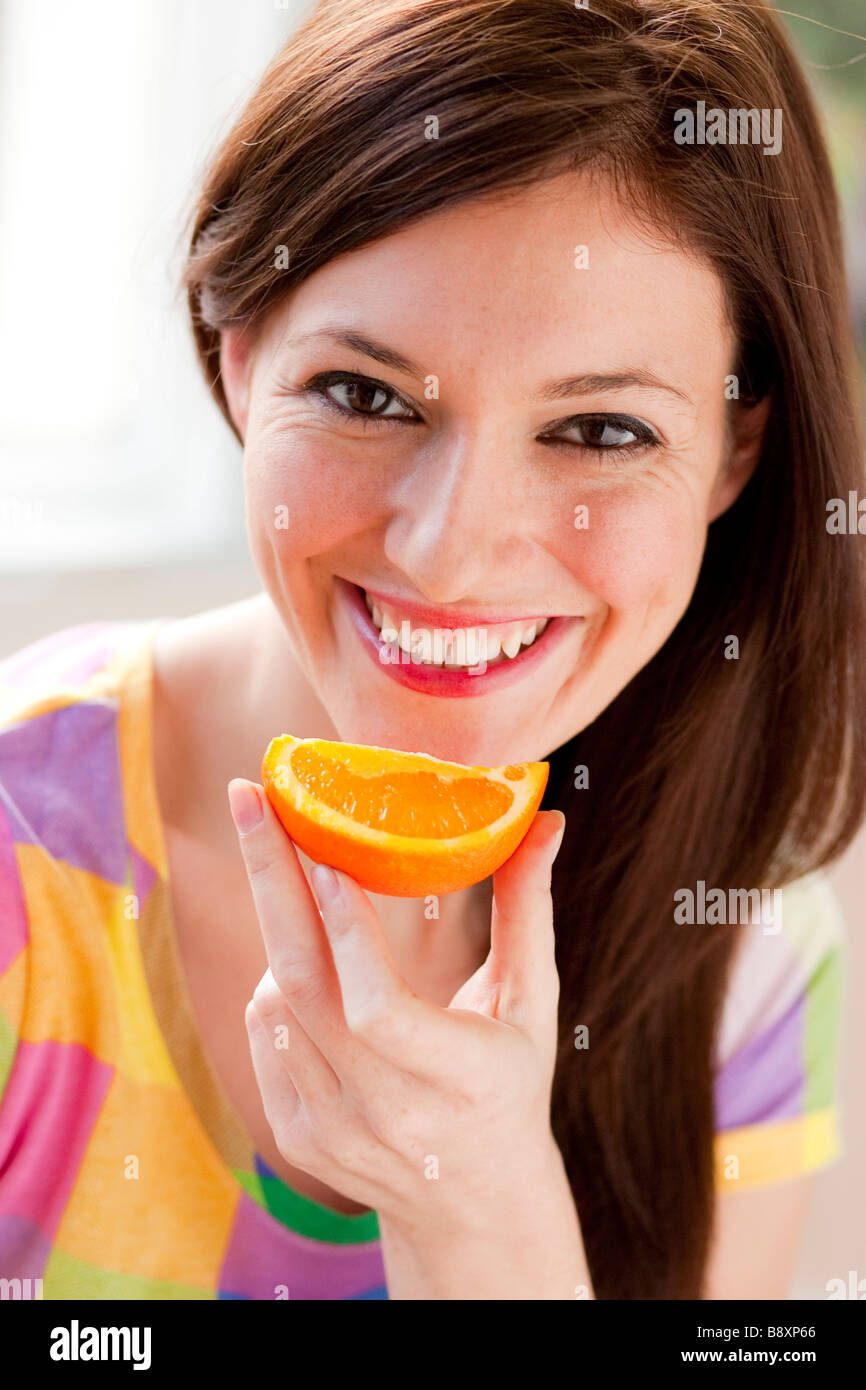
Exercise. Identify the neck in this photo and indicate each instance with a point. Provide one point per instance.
(256, 689)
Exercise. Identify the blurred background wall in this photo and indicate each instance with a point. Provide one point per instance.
(120, 485)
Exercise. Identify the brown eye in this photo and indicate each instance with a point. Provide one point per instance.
(603, 436)
(361, 397)
(608, 431)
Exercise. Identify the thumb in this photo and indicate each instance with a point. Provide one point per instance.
(522, 943)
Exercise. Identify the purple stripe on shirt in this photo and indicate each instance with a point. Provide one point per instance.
(765, 1080)
(24, 1248)
(62, 771)
(263, 1255)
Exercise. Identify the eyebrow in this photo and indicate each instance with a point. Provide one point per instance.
(628, 378)
(350, 338)
(585, 383)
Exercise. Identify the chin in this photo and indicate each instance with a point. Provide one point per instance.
(454, 738)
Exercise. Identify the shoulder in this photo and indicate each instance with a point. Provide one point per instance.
(777, 962)
(777, 1047)
(60, 669)
(65, 656)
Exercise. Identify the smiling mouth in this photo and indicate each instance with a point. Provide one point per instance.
(450, 647)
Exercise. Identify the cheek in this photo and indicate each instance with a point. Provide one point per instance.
(640, 547)
(299, 503)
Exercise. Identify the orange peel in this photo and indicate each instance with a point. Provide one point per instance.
(401, 824)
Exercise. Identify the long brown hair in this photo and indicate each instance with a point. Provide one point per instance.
(738, 772)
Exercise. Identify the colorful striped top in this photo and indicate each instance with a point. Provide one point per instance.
(125, 1171)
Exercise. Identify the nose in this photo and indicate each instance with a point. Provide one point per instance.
(454, 527)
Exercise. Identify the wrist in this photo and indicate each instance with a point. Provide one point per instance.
(519, 1240)
(445, 1208)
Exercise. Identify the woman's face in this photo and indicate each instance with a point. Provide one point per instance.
(476, 422)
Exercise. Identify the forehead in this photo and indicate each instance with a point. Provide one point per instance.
(556, 275)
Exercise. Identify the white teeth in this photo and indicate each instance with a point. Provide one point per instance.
(492, 646)
(467, 648)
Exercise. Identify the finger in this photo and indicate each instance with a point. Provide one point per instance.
(522, 943)
(280, 1099)
(379, 1008)
(313, 1077)
(296, 946)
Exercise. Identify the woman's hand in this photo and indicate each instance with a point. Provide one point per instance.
(438, 1118)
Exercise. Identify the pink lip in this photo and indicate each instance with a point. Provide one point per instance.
(435, 680)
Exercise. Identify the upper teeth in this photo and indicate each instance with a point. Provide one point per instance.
(455, 646)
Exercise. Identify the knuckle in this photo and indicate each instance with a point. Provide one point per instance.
(268, 1000)
(513, 1011)
(368, 1018)
(384, 1017)
(469, 1091)
(332, 1140)
(394, 1127)
(260, 858)
(342, 924)
(292, 1138)
(301, 986)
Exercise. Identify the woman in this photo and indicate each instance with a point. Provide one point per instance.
(504, 350)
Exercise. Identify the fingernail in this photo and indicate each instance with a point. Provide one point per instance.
(245, 804)
(557, 840)
(327, 884)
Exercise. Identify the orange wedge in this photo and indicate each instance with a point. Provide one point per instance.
(403, 824)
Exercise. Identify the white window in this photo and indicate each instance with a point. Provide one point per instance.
(111, 451)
